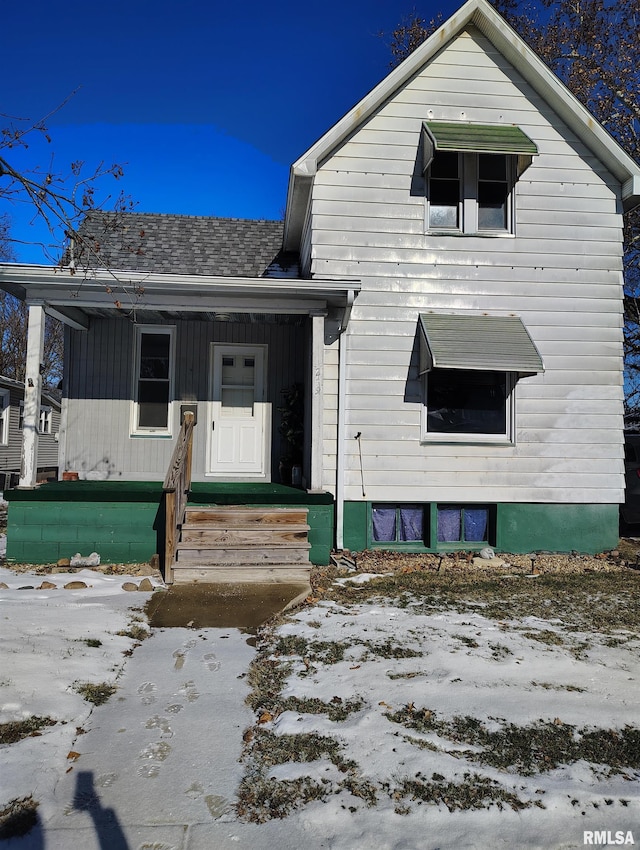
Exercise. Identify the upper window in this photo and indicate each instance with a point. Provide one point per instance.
(470, 171)
(470, 193)
(469, 404)
(153, 379)
(5, 412)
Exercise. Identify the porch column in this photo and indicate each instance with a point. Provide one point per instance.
(32, 396)
(317, 399)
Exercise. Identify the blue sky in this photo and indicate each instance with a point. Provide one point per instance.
(205, 104)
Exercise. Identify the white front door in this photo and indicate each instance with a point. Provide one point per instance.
(239, 424)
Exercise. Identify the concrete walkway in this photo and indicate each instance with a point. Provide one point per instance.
(158, 767)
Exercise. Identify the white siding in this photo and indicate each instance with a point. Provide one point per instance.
(561, 273)
(100, 382)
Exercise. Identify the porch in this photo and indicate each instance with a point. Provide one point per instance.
(124, 521)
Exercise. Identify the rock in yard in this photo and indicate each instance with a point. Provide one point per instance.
(145, 584)
(129, 585)
(93, 560)
(75, 585)
(489, 562)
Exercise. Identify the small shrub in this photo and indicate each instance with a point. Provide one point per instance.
(96, 693)
(18, 817)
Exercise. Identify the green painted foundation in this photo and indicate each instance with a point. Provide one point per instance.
(123, 521)
(515, 528)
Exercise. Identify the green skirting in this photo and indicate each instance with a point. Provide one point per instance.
(515, 528)
(123, 521)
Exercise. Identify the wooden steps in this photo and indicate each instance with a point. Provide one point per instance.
(243, 544)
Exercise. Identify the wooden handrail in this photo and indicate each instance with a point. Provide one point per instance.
(177, 484)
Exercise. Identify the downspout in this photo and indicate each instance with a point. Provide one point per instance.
(341, 427)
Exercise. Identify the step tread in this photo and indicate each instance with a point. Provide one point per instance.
(249, 516)
(248, 526)
(236, 556)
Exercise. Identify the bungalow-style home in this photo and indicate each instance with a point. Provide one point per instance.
(432, 339)
(11, 427)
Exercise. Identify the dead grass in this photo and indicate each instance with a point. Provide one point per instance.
(18, 817)
(262, 797)
(474, 792)
(535, 748)
(16, 730)
(604, 602)
(591, 601)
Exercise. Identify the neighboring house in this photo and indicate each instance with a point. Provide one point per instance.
(447, 287)
(11, 424)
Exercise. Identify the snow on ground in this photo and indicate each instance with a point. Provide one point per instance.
(403, 673)
(45, 636)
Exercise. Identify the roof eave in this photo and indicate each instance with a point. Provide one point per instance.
(33, 283)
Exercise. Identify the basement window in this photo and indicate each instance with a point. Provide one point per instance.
(463, 524)
(397, 523)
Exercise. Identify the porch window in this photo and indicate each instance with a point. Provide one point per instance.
(463, 524)
(5, 411)
(397, 523)
(153, 378)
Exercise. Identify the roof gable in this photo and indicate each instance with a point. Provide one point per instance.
(483, 16)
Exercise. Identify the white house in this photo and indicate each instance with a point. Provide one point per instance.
(447, 288)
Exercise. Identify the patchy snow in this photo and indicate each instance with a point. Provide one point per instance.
(159, 763)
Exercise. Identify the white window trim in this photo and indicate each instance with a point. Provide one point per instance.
(135, 429)
(506, 439)
(5, 417)
(45, 420)
(468, 202)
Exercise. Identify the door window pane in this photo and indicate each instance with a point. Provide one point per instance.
(237, 401)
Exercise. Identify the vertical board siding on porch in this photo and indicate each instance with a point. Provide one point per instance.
(101, 389)
(561, 273)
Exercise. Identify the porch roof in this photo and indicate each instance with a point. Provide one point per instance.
(74, 297)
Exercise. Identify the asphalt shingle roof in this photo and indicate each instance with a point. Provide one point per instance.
(199, 245)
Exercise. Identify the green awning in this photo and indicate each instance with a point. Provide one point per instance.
(476, 138)
(488, 343)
